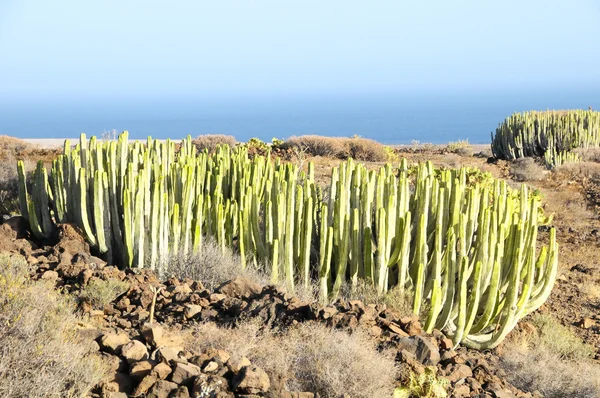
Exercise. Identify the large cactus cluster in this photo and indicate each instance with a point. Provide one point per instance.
(550, 135)
(464, 248)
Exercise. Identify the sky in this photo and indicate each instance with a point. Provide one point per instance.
(228, 48)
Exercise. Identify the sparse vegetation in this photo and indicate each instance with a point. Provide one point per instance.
(527, 169)
(40, 355)
(310, 357)
(212, 266)
(460, 147)
(552, 361)
(559, 340)
(99, 292)
(211, 141)
(358, 148)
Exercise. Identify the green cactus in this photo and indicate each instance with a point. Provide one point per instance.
(463, 244)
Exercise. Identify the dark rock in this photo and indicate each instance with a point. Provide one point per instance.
(423, 348)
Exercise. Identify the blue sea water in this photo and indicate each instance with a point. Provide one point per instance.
(391, 119)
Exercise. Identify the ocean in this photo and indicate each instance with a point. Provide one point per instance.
(391, 119)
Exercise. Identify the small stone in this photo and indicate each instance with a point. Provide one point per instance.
(155, 335)
(134, 351)
(251, 380)
(460, 372)
(211, 367)
(446, 343)
(162, 389)
(328, 312)
(462, 391)
(162, 370)
(240, 288)
(414, 328)
(145, 385)
(236, 366)
(140, 369)
(191, 310)
(50, 276)
(181, 392)
(397, 329)
(587, 323)
(113, 342)
(168, 354)
(184, 373)
(422, 347)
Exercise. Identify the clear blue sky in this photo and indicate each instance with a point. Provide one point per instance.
(161, 49)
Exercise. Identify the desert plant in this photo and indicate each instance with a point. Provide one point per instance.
(424, 385)
(99, 292)
(551, 135)
(462, 243)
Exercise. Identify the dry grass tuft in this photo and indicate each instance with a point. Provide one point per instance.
(212, 266)
(310, 358)
(559, 340)
(535, 367)
(211, 141)
(396, 298)
(40, 355)
(100, 293)
(526, 169)
(552, 361)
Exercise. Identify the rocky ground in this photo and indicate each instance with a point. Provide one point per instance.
(150, 358)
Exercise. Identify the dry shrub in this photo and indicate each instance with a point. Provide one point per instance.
(9, 185)
(588, 154)
(100, 293)
(552, 361)
(358, 148)
(532, 367)
(13, 145)
(310, 357)
(367, 150)
(526, 169)
(559, 340)
(316, 145)
(590, 288)
(211, 141)
(40, 355)
(212, 266)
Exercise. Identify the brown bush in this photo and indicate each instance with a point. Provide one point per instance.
(311, 357)
(527, 169)
(362, 149)
(40, 355)
(211, 141)
(367, 150)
